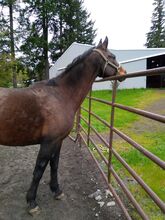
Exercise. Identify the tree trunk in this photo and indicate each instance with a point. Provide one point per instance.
(12, 45)
(45, 42)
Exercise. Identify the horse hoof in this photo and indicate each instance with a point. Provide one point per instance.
(58, 195)
(34, 211)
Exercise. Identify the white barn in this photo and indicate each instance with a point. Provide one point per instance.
(131, 60)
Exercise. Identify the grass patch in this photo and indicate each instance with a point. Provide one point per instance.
(138, 98)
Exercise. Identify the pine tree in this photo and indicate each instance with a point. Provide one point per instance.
(62, 21)
(38, 19)
(7, 34)
(156, 36)
(73, 24)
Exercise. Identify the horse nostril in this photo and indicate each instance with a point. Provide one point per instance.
(122, 78)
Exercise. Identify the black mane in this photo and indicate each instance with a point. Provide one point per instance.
(76, 61)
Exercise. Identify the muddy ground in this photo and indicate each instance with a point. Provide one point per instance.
(78, 177)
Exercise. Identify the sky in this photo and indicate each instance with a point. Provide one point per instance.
(124, 22)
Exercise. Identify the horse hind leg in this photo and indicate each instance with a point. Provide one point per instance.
(41, 163)
(54, 161)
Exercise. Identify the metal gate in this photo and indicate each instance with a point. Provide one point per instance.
(85, 132)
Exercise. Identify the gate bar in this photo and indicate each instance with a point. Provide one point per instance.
(153, 195)
(129, 195)
(146, 114)
(147, 153)
(131, 171)
(122, 206)
(149, 72)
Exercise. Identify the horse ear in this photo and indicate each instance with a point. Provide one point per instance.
(105, 43)
(100, 43)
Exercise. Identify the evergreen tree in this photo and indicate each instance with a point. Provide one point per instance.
(43, 27)
(156, 36)
(38, 19)
(73, 24)
(7, 33)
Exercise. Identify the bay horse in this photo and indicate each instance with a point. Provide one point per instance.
(44, 112)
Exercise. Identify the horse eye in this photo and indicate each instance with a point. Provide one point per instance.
(112, 56)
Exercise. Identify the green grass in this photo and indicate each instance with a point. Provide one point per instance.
(153, 176)
(138, 98)
(148, 170)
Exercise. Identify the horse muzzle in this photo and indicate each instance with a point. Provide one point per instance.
(121, 72)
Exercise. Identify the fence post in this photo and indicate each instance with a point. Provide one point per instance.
(78, 127)
(89, 116)
(114, 88)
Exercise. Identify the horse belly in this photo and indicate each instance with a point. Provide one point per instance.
(19, 131)
(58, 125)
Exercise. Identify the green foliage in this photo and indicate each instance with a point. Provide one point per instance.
(36, 21)
(6, 66)
(63, 21)
(73, 25)
(8, 32)
(5, 71)
(156, 36)
(42, 31)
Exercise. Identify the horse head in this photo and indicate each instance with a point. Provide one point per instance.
(109, 64)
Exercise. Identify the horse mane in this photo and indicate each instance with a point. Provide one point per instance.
(79, 59)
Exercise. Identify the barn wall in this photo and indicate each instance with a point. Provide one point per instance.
(139, 82)
(123, 55)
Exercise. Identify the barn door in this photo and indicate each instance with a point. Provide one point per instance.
(159, 80)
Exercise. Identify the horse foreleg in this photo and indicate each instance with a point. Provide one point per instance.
(54, 161)
(41, 163)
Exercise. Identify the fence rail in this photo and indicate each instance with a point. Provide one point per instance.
(85, 133)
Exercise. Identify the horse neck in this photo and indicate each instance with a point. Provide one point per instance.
(78, 81)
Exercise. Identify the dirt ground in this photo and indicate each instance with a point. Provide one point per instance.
(78, 177)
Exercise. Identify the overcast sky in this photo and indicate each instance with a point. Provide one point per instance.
(125, 22)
